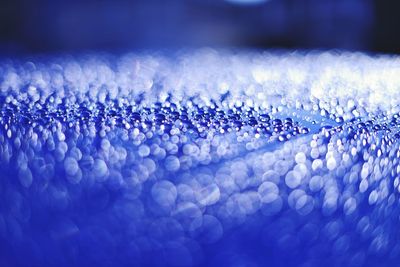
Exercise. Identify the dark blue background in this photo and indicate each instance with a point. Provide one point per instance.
(61, 25)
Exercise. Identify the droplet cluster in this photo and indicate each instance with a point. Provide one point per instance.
(205, 158)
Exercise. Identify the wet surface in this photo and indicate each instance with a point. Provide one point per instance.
(207, 158)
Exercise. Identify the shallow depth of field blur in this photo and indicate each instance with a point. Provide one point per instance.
(45, 25)
(199, 133)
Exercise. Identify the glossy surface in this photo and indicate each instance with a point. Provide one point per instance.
(207, 158)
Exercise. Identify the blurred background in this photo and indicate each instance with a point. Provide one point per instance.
(28, 26)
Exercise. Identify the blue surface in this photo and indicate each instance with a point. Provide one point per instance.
(203, 158)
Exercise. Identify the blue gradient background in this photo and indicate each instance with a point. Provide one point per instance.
(45, 25)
